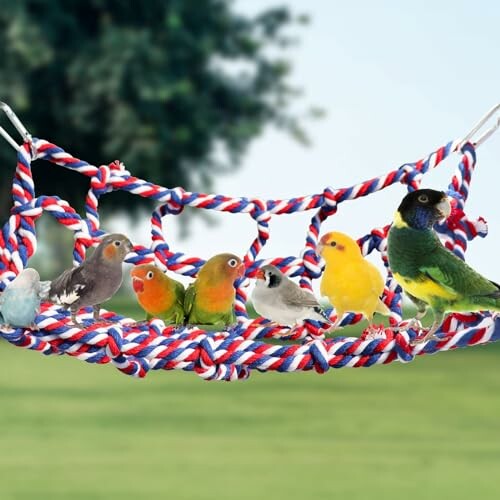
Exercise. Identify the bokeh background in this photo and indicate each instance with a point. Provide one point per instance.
(257, 98)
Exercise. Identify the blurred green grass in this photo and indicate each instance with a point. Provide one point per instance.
(428, 429)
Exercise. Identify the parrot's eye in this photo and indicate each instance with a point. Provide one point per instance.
(333, 243)
(117, 243)
(423, 198)
(232, 262)
(149, 276)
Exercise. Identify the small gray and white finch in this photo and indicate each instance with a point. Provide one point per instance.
(96, 280)
(20, 301)
(282, 301)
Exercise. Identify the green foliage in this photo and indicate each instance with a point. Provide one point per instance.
(160, 84)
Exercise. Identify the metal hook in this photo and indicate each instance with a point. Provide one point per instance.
(17, 125)
(480, 124)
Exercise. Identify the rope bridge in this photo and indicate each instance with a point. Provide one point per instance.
(134, 348)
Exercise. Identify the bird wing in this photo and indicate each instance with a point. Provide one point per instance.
(294, 296)
(189, 298)
(375, 277)
(456, 277)
(67, 288)
(180, 293)
(44, 289)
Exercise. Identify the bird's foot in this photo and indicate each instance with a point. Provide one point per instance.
(426, 338)
(373, 332)
(103, 321)
(217, 327)
(140, 323)
(411, 324)
(293, 330)
(74, 321)
(34, 327)
(271, 324)
(78, 324)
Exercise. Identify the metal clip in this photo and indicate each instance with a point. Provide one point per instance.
(480, 125)
(17, 125)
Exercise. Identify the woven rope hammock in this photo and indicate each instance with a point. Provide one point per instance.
(134, 348)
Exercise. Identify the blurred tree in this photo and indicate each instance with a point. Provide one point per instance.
(174, 88)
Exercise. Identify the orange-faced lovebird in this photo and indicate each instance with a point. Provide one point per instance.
(159, 295)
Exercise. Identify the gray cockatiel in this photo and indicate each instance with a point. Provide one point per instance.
(282, 301)
(96, 280)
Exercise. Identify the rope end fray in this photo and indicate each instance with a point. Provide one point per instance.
(18, 125)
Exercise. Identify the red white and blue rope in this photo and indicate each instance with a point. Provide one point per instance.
(230, 355)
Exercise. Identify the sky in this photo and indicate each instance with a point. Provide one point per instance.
(396, 80)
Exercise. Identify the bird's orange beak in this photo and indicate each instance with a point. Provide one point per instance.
(241, 270)
(137, 284)
(322, 243)
(260, 274)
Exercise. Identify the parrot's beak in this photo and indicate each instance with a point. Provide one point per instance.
(241, 270)
(322, 243)
(129, 246)
(444, 208)
(259, 275)
(138, 285)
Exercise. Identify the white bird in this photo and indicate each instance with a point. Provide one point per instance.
(282, 301)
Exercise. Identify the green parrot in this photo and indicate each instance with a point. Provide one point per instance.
(210, 299)
(160, 296)
(429, 273)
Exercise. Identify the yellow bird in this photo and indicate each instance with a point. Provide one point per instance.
(351, 283)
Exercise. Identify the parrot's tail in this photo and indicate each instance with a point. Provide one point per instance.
(45, 289)
(383, 309)
(323, 314)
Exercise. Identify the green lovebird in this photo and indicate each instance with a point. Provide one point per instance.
(428, 272)
(210, 299)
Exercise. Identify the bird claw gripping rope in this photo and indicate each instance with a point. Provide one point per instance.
(135, 348)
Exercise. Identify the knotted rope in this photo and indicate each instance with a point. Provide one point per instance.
(135, 349)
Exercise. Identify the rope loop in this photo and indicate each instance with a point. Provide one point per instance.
(411, 176)
(330, 204)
